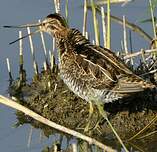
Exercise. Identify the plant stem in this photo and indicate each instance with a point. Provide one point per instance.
(95, 23)
(152, 16)
(108, 25)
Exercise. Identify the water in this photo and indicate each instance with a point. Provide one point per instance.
(17, 12)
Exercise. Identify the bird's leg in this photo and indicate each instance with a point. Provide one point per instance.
(104, 115)
(89, 117)
(96, 126)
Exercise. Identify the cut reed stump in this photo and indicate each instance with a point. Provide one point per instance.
(50, 97)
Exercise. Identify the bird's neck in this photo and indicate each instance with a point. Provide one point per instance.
(69, 40)
(61, 33)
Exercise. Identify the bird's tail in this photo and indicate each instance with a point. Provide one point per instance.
(148, 85)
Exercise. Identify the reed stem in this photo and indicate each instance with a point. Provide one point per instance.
(96, 31)
(44, 46)
(66, 11)
(22, 72)
(152, 16)
(57, 6)
(108, 25)
(103, 26)
(32, 52)
(9, 70)
(125, 36)
(84, 18)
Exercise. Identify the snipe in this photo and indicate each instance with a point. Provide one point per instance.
(92, 72)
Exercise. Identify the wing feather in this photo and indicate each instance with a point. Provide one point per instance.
(111, 58)
(109, 72)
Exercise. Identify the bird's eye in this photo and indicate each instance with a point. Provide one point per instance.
(43, 24)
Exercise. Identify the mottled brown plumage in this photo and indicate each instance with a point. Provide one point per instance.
(92, 72)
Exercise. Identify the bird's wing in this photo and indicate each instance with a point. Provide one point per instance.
(108, 70)
(127, 81)
(93, 73)
(129, 84)
(111, 58)
(77, 40)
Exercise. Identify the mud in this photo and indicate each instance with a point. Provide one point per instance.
(50, 97)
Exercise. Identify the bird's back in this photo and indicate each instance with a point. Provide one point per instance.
(96, 73)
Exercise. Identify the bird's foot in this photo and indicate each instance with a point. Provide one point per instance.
(97, 127)
(86, 129)
(90, 128)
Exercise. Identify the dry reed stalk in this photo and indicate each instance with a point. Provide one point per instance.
(125, 36)
(87, 35)
(32, 51)
(21, 49)
(45, 66)
(84, 18)
(112, 1)
(57, 6)
(153, 20)
(9, 70)
(108, 25)
(147, 135)
(95, 22)
(93, 42)
(130, 41)
(103, 26)
(17, 106)
(22, 74)
(137, 147)
(66, 11)
(51, 60)
(55, 148)
(146, 52)
(43, 44)
(143, 56)
(54, 44)
(142, 130)
(74, 147)
(125, 40)
(154, 27)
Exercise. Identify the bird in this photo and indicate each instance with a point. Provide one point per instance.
(90, 71)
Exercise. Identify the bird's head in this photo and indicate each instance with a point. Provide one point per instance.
(52, 24)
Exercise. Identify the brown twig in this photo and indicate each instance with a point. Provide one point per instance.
(139, 53)
(112, 1)
(142, 130)
(17, 106)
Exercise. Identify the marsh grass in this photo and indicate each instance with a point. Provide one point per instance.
(153, 19)
(95, 23)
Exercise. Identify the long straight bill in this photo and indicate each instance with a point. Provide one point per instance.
(25, 36)
(23, 26)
